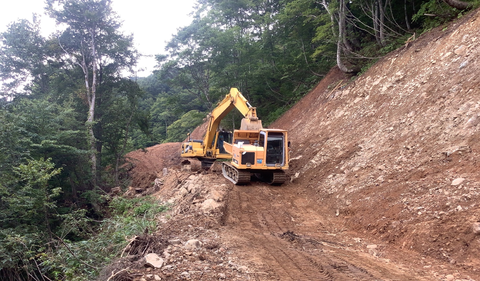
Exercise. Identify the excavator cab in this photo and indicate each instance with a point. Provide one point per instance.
(275, 149)
(197, 149)
(222, 137)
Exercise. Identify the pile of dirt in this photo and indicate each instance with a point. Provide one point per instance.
(145, 165)
(384, 181)
(187, 244)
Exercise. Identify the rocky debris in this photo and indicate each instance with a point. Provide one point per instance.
(158, 183)
(175, 241)
(201, 193)
(449, 277)
(153, 260)
(218, 194)
(372, 249)
(473, 121)
(401, 146)
(294, 177)
(210, 205)
(116, 191)
(476, 228)
(192, 245)
(203, 256)
(458, 181)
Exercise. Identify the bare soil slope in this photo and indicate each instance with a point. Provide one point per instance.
(396, 151)
(148, 164)
(384, 183)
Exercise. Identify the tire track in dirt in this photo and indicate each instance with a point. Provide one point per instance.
(264, 225)
(263, 238)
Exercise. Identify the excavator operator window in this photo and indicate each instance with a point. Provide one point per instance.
(275, 149)
(261, 139)
(223, 136)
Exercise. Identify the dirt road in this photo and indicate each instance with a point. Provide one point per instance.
(283, 232)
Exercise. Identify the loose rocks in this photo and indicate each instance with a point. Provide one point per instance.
(153, 260)
(476, 228)
(192, 244)
(458, 181)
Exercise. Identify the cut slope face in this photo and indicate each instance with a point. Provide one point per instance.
(396, 152)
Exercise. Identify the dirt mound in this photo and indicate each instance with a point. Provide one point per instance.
(148, 164)
(200, 131)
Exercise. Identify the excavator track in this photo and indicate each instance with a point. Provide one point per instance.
(278, 177)
(234, 175)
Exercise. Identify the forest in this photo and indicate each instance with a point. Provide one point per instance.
(69, 112)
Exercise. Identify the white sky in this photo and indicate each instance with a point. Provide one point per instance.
(152, 22)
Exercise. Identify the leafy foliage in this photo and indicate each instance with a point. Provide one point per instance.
(82, 260)
(179, 129)
(26, 211)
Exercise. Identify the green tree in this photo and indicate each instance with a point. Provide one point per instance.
(93, 43)
(26, 209)
(119, 114)
(179, 129)
(25, 57)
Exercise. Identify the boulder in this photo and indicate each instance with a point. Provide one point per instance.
(458, 181)
(153, 260)
(209, 205)
(192, 244)
(476, 228)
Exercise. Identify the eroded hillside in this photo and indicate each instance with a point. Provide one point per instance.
(385, 182)
(396, 151)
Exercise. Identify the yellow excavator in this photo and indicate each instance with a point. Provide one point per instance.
(253, 150)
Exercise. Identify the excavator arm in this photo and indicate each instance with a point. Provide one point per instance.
(207, 150)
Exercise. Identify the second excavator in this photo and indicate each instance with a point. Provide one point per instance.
(253, 150)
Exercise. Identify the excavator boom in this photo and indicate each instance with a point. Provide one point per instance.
(206, 150)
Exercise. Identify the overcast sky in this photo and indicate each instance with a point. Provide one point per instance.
(152, 22)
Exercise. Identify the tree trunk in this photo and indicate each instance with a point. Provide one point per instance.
(407, 21)
(332, 18)
(381, 22)
(91, 108)
(458, 4)
(340, 63)
(342, 25)
(341, 37)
